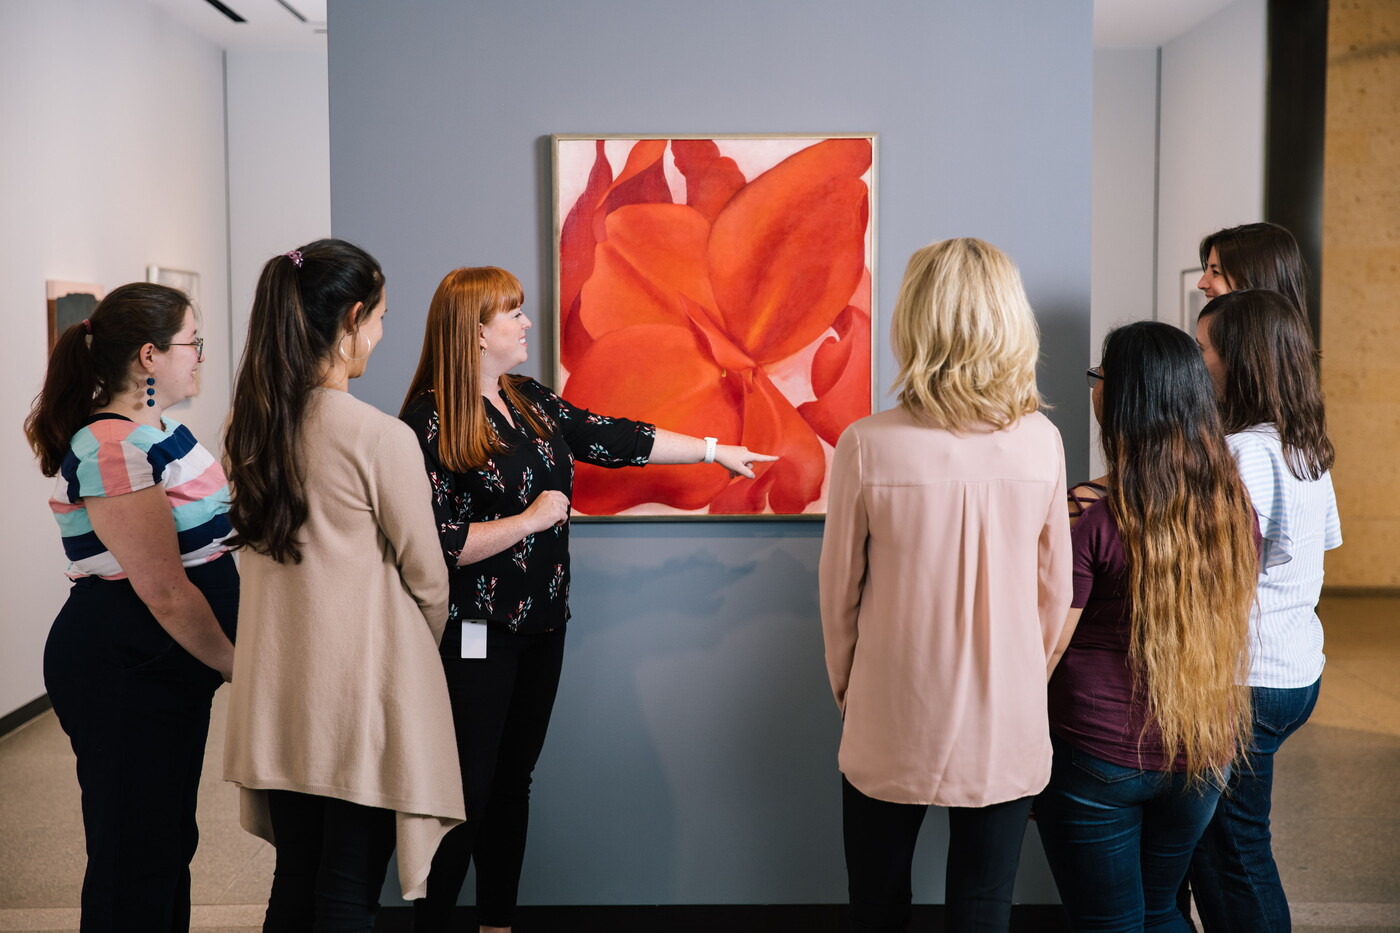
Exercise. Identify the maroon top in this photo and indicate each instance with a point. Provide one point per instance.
(1093, 705)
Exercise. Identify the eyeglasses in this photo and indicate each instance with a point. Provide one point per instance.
(1093, 377)
(198, 347)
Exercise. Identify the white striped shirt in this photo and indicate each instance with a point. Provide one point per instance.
(1298, 519)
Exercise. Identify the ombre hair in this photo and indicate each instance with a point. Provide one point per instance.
(965, 337)
(450, 365)
(1187, 527)
(1260, 255)
(1271, 375)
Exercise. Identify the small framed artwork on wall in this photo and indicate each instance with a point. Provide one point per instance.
(717, 286)
(69, 303)
(185, 281)
(1192, 299)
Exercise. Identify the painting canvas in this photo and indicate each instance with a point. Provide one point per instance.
(716, 286)
(69, 303)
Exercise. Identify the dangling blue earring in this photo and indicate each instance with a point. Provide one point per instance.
(150, 390)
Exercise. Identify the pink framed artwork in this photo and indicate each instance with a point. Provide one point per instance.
(716, 286)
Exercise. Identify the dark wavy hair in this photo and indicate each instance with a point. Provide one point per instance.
(297, 315)
(1187, 528)
(1261, 255)
(1271, 375)
(86, 371)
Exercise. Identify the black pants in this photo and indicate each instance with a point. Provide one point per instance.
(135, 706)
(331, 859)
(984, 849)
(501, 706)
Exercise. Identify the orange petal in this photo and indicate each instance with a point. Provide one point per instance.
(710, 179)
(840, 377)
(653, 255)
(772, 426)
(656, 373)
(788, 249)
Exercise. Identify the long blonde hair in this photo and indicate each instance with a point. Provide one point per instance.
(965, 337)
(450, 364)
(1187, 528)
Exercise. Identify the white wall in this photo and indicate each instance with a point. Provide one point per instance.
(279, 168)
(113, 159)
(1164, 180)
(1212, 155)
(1125, 175)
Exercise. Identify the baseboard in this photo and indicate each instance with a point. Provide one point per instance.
(1367, 591)
(756, 918)
(21, 716)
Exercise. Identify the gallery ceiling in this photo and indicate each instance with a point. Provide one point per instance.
(302, 23)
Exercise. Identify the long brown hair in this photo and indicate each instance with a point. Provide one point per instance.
(298, 311)
(1271, 375)
(91, 363)
(450, 365)
(1187, 528)
(1260, 255)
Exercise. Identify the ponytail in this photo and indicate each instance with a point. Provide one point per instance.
(301, 301)
(91, 363)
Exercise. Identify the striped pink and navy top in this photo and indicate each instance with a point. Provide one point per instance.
(112, 456)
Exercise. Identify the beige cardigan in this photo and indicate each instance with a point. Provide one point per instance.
(338, 689)
(945, 581)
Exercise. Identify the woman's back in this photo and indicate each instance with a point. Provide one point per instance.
(937, 543)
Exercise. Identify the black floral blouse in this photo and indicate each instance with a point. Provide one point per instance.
(525, 588)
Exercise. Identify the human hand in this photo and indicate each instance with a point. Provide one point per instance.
(550, 508)
(739, 460)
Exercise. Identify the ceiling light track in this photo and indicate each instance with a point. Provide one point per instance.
(226, 11)
(292, 10)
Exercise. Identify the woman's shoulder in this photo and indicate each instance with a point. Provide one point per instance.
(116, 429)
(420, 408)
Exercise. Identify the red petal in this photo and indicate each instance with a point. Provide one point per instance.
(788, 249)
(772, 426)
(654, 373)
(642, 181)
(841, 377)
(653, 255)
(710, 179)
(576, 242)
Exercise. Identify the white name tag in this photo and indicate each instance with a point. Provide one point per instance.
(474, 639)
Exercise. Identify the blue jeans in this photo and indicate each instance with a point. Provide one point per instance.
(1233, 874)
(1119, 840)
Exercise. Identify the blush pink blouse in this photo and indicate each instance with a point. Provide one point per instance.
(945, 582)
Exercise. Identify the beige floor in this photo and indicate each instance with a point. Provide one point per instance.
(1336, 806)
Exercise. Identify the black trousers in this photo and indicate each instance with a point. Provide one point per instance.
(501, 706)
(984, 849)
(331, 859)
(135, 706)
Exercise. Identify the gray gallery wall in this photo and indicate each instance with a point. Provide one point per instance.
(692, 754)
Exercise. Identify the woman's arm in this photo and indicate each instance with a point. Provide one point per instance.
(842, 567)
(671, 447)
(486, 539)
(1067, 633)
(139, 530)
(401, 497)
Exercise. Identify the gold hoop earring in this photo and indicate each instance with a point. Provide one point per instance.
(340, 347)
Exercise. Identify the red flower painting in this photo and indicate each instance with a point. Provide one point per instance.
(717, 287)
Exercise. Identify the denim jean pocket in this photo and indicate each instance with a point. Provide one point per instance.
(1100, 770)
(1279, 711)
